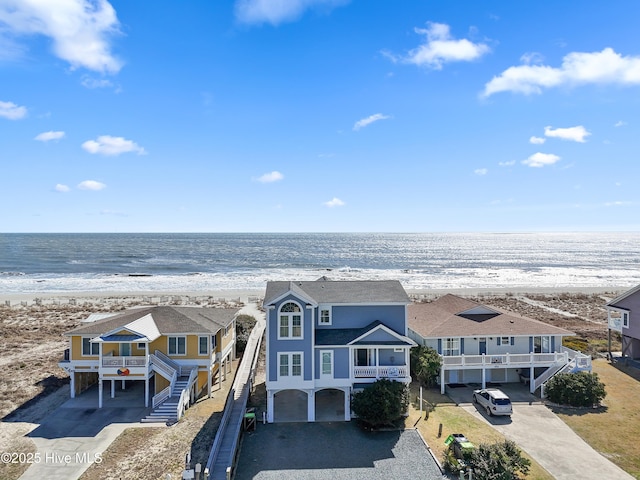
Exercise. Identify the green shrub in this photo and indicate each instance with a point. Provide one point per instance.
(381, 404)
(498, 461)
(581, 389)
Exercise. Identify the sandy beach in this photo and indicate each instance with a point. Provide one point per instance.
(32, 326)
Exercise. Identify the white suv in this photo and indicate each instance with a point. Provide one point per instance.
(494, 401)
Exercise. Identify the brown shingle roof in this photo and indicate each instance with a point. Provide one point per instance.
(168, 319)
(441, 318)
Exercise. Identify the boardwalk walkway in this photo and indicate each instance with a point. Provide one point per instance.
(225, 444)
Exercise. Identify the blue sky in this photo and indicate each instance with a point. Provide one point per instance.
(319, 115)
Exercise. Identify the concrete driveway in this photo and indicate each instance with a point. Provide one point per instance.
(546, 438)
(76, 434)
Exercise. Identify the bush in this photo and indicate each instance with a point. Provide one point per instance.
(244, 325)
(581, 389)
(498, 461)
(425, 365)
(381, 404)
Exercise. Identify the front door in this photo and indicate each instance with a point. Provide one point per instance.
(125, 349)
(482, 346)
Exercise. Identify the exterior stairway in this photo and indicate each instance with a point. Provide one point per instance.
(167, 411)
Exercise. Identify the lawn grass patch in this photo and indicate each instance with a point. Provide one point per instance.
(614, 428)
(455, 420)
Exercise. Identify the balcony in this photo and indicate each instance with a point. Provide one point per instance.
(123, 366)
(508, 360)
(389, 371)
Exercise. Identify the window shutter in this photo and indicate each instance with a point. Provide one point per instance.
(498, 341)
(440, 346)
(513, 340)
(462, 346)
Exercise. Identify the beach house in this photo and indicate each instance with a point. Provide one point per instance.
(328, 339)
(623, 315)
(176, 351)
(480, 344)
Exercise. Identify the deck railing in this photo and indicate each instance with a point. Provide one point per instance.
(136, 361)
(514, 360)
(390, 371)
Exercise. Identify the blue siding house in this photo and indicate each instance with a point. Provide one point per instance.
(327, 339)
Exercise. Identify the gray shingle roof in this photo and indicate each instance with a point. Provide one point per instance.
(335, 292)
(342, 336)
(441, 319)
(168, 319)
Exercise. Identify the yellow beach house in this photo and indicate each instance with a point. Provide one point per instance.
(176, 351)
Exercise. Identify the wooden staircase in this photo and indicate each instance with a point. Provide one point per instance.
(167, 411)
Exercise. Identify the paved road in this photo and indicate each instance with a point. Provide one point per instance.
(333, 450)
(545, 437)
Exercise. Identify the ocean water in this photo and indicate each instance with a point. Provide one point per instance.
(67, 263)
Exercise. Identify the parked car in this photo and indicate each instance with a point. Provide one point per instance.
(494, 401)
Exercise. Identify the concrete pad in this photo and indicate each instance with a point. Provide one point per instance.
(76, 434)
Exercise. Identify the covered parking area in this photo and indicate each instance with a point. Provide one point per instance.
(324, 405)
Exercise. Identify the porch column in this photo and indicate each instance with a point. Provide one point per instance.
(146, 392)
(531, 374)
(484, 377)
(100, 393)
(72, 377)
(269, 406)
(347, 404)
(311, 406)
(123, 384)
(442, 379)
(113, 389)
(209, 383)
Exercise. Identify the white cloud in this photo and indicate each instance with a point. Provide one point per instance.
(481, 171)
(80, 30)
(578, 68)
(575, 134)
(91, 185)
(618, 204)
(48, 136)
(108, 145)
(531, 58)
(270, 177)
(91, 83)
(541, 159)
(537, 140)
(440, 48)
(620, 123)
(61, 188)
(334, 202)
(369, 120)
(510, 163)
(279, 11)
(12, 111)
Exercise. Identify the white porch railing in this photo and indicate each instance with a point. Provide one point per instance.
(508, 359)
(137, 361)
(391, 371)
(185, 395)
(168, 361)
(583, 362)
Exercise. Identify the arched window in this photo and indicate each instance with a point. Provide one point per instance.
(290, 321)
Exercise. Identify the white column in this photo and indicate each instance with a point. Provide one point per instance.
(269, 406)
(113, 388)
(100, 393)
(123, 384)
(311, 406)
(146, 392)
(484, 377)
(347, 404)
(72, 377)
(442, 378)
(209, 383)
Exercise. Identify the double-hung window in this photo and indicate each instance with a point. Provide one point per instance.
(326, 363)
(625, 319)
(290, 321)
(177, 345)
(90, 349)
(289, 365)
